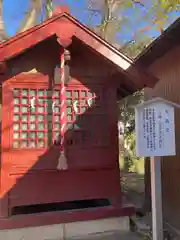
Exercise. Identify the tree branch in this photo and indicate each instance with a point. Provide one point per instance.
(140, 2)
(31, 17)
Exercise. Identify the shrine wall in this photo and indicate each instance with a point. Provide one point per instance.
(167, 69)
(36, 66)
(86, 68)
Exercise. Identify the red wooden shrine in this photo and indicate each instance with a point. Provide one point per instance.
(34, 190)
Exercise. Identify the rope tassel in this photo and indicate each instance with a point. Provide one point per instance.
(62, 161)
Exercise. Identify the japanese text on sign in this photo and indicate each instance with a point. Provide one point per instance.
(155, 130)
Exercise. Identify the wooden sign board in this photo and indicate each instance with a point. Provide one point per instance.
(155, 128)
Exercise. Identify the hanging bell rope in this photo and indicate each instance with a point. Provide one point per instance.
(62, 161)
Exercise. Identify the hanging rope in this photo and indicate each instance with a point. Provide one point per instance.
(62, 161)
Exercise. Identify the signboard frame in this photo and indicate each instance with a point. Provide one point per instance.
(154, 127)
(155, 162)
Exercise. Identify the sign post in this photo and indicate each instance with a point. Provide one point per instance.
(156, 198)
(155, 137)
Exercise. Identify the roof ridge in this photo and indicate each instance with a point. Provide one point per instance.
(76, 21)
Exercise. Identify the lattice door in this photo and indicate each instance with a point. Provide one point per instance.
(36, 118)
(87, 138)
(36, 126)
(85, 110)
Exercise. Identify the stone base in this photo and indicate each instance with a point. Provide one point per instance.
(69, 230)
(110, 236)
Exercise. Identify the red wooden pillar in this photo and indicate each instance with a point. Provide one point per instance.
(5, 184)
(4, 207)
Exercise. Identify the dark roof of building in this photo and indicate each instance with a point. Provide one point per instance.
(159, 47)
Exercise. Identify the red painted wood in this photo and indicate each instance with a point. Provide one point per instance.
(24, 160)
(6, 126)
(29, 175)
(64, 217)
(54, 186)
(23, 167)
(4, 206)
(93, 155)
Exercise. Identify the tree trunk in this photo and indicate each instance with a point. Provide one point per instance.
(3, 35)
(31, 17)
(29, 21)
(48, 8)
(109, 7)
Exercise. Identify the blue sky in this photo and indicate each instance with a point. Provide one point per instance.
(14, 11)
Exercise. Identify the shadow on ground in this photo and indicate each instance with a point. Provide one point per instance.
(133, 188)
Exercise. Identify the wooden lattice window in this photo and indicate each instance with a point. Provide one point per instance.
(86, 117)
(78, 101)
(36, 117)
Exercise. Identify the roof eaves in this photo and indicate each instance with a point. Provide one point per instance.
(166, 41)
(104, 48)
(75, 21)
(31, 30)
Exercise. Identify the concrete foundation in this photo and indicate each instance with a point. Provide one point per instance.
(76, 230)
(111, 236)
